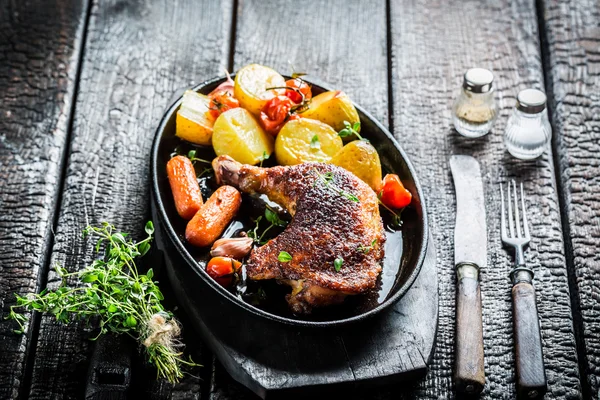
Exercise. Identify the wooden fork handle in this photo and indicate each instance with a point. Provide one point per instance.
(469, 374)
(531, 374)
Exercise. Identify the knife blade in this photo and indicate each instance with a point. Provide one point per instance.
(470, 255)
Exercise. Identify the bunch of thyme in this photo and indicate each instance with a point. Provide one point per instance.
(118, 297)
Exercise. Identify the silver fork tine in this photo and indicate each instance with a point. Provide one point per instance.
(502, 212)
(510, 213)
(525, 225)
(517, 217)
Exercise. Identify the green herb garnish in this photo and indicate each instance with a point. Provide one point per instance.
(396, 216)
(284, 256)
(314, 142)
(207, 170)
(327, 179)
(367, 249)
(192, 156)
(337, 264)
(273, 218)
(350, 129)
(115, 295)
(264, 157)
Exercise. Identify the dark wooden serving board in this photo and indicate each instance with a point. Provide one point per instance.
(395, 346)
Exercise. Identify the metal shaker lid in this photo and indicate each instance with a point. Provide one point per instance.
(478, 80)
(531, 101)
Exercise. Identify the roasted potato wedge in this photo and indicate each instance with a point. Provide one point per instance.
(192, 122)
(306, 140)
(333, 108)
(236, 133)
(361, 158)
(250, 87)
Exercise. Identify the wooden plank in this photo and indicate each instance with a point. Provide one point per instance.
(40, 44)
(433, 43)
(572, 58)
(137, 55)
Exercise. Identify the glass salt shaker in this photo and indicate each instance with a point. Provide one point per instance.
(474, 111)
(528, 130)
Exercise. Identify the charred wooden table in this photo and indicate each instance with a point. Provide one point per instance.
(83, 85)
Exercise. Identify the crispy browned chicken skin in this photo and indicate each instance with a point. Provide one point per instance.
(327, 224)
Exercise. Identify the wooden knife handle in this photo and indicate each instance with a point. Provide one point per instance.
(531, 374)
(469, 374)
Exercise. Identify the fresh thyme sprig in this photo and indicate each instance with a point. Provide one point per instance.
(327, 178)
(396, 216)
(263, 158)
(192, 156)
(350, 129)
(273, 218)
(118, 297)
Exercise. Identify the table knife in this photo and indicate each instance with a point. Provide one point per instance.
(470, 255)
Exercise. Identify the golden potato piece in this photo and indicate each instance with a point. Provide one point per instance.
(306, 140)
(192, 123)
(333, 108)
(361, 158)
(250, 87)
(237, 134)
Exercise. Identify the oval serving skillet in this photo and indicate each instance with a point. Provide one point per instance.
(218, 314)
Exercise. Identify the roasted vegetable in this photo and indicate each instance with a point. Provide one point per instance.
(275, 114)
(361, 158)
(237, 248)
(298, 90)
(238, 135)
(251, 84)
(193, 122)
(306, 140)
(393, 194)
(185, 188)
(222, 99)
(212, 218)
(333, 108)
(221, 269)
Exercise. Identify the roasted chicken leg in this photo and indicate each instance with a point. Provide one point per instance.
(335, 217)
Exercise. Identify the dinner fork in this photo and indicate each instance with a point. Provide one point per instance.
(531, 374)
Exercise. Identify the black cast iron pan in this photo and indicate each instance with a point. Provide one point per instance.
(223, 315)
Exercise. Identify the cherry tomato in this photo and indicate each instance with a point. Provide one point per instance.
(393, 194)
(276, 113)
(221, 100)
(300, 85)
(221, 269)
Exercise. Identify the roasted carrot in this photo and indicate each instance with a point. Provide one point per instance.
(212, 218)
(185, 188)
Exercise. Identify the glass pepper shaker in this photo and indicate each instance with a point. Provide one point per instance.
(474, 111)
(528, 130)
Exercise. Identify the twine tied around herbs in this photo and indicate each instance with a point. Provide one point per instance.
(163, 331)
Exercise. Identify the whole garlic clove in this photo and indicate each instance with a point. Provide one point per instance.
(237, 248)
